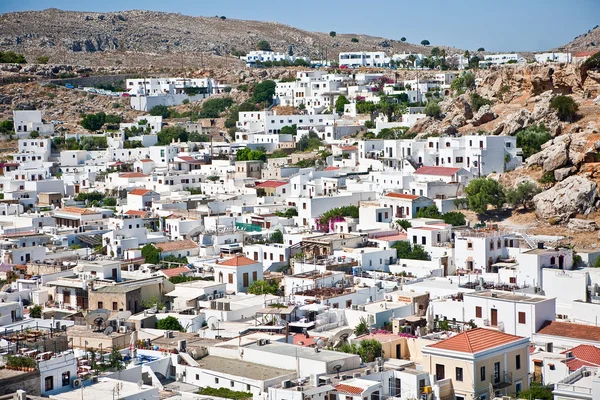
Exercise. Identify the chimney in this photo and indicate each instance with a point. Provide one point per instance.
(540, 245)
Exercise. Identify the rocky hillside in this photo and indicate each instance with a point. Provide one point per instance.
(589, 41)
(75, 35)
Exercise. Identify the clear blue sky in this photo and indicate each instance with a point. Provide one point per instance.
(500, 25)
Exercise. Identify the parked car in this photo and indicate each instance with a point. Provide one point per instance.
(125, 95)
(69, 86)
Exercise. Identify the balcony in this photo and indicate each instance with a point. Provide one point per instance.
(501, 380)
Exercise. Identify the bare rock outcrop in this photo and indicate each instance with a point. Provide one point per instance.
(582, 225)
(483, 116)
(575, 195)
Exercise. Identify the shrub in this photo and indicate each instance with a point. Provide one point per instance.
(531, 139)
(566, 108)
(264, 91)
(332, 34)
(42, 60)
(354, 40)
(369, 124)
(593, 62)
(185, 101)
(263, 45)
(225, 393)
(477, 102)
(161, 110)
(522, 195)
(263, 287)
(482, 192)
(169, 324)
(433, 109)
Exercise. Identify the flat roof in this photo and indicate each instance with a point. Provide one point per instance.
(301, 352)
(242, 368)
(508, 296)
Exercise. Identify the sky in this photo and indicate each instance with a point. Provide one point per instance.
(500, 25)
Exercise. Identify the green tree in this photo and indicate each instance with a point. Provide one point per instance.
(289, 130)
(160, 110)
(10, 57)
(115, 359)
(593, 62)
(429, 212)
(213, 108)
(332, 34)
(172, 133)
(522, 195)
(340, 103)
(435, 52)
(537, 391)
(425, 42)
(151, 254)
(152, 302)
(42, 60)
(477, 101)
(263, 45)
(35, 311)
(34, 135)
(566, 108)
(362, 328)
(469, 80)
(263, 287)
(416, 252)
(481, 49)
(7, 127)
(403, 39)
(531, 139)
(354, 40)
(404, 224)
(454, 218)
(483, 192)
(369, 350)
(276, 237)
(264, 91)
(433, 109)
(93, 122)
(169, 324)
(246, 154)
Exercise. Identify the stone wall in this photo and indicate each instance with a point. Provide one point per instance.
(27, 381)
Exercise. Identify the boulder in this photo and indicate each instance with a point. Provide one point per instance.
(483, 116)
(562, 173)
(574, 195)
(582, 225)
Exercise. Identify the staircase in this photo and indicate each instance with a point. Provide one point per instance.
(530, 242)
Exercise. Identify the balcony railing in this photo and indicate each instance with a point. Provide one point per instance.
(501, 380)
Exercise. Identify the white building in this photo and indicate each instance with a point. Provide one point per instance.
(497, 59)
(254, 58)
(27, 121)
(357, 59)
(238, 272)
(553, 58)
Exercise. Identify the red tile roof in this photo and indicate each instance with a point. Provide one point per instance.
(171, 272)
(391, 238)
(570, 330)
(437, 171)
(348, 148)
(402, 196)
(475, 340)
(146, 160)
(332, 168)
(584, 54)
(77, 210)
(238, 261)
(139, 192)
(271, 184)
(583, 355)
(136, 212)
(133, 175)
(348, 389)
(186, 158)
(178, 245)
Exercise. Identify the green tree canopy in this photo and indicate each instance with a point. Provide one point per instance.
(289, 130)
(212, 108)
(433, 109)
(172, 133)
(263, 287)
(566, 108)
(169, 324)
(404, 224)
(340, 103)
(481, 49)
(406, 251)
(10, 57)
(332, 34)
(482, 192)
(35, 311)
(403, 39)
(246, 154)
(263, 45)
(151, 254)
(522, 195)
(264, 91)
(160, 110)
(531, 139)
(276, 237)
(425, 42)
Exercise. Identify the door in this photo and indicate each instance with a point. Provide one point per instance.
(494, 313)
(537, 372)
(497, 372)
(398, 352)
(67, 297)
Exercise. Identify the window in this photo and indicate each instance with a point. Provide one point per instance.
(230, 278)
(492, 245)
(415, 239)
(512, 279)
(459, 374)
(304, 206)
(66, 378)
(216, 380)
(519, 387)
(115, 307)
(478, 312)
(423, 240)
(231, 383)
(482, 374)
(518, 361)
(100, 305)
(459, 159)
(48, 383)
(469, 245)
(522, 319)
(254, 275)
(440, 371)
(247, 388)
(348, 303)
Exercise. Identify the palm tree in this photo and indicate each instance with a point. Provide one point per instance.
(412, 59)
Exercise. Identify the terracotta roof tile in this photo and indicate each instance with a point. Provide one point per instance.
(348, 389)
(332, 168)
(584, 354)
(402, 196)
(178, 245)
(136, 212)
(171, 272)
(348, 148)
(271, 184)
(133, 175)
(77, 210)
(475, 340)
(139, 192)
(570, 330)
(146, 160)
(438, 171)
(238, 261)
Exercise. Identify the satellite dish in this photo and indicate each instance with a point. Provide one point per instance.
(97, 318)
(108, 330)
(320, 343)
(140, 383)
(122, 315)
(337, 366)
